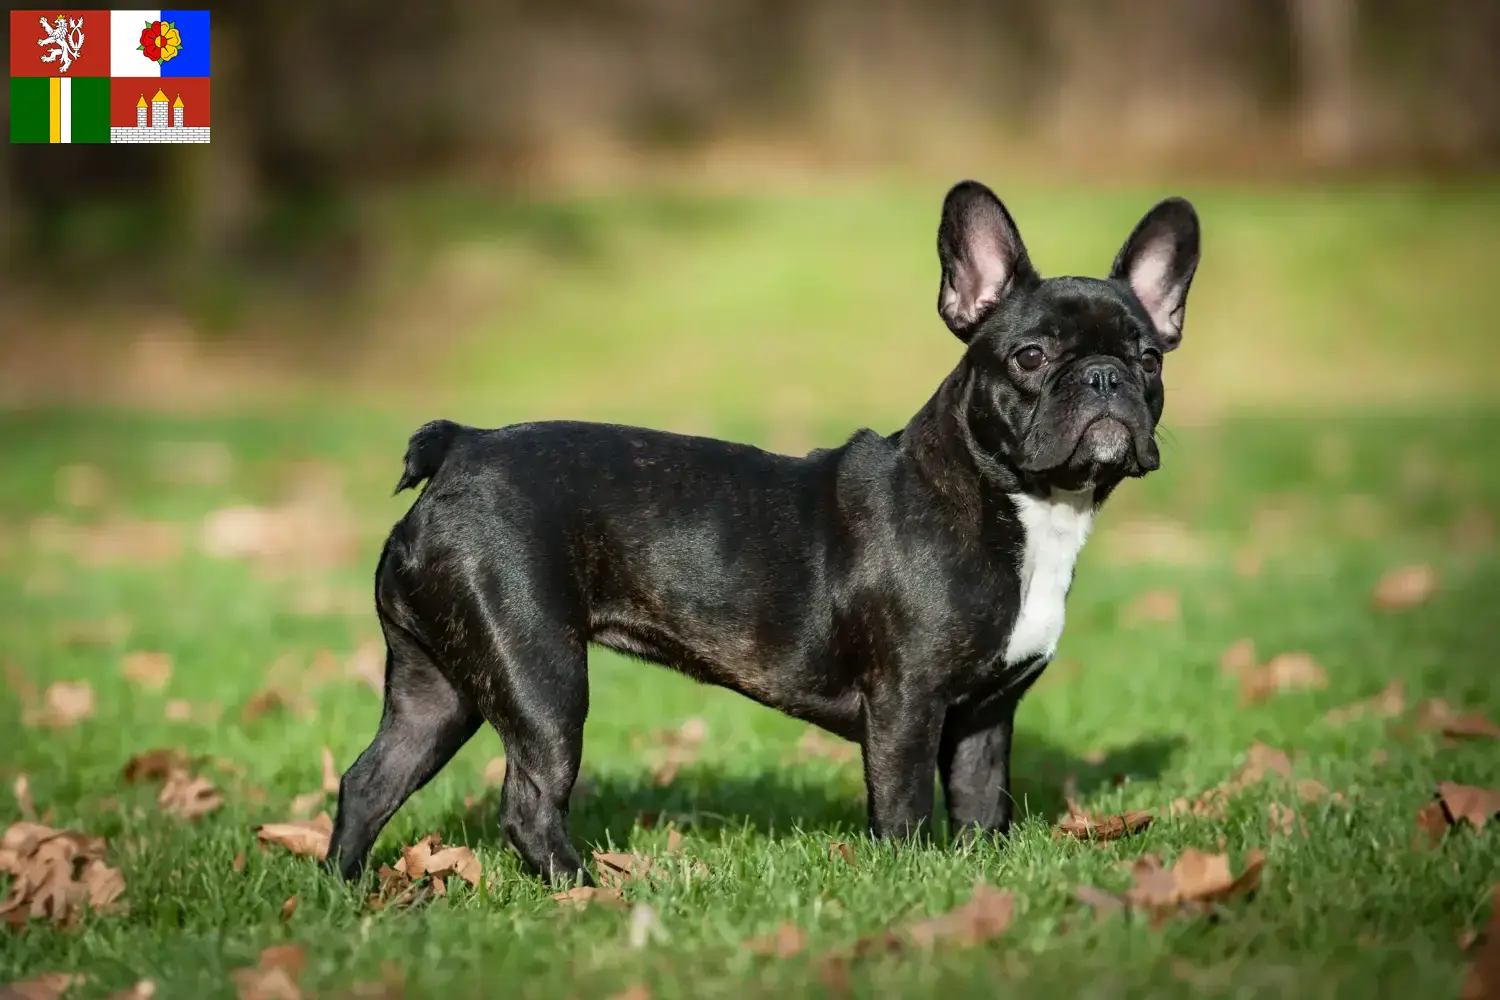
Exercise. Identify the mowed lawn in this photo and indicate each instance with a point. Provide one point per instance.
(123, 533)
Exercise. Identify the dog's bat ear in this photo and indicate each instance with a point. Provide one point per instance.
(1158, 262)
(982, 256)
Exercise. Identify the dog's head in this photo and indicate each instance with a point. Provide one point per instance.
(1064, 374)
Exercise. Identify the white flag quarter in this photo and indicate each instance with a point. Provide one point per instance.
(125, 57)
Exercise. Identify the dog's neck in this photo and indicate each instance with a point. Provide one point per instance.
(941, 445)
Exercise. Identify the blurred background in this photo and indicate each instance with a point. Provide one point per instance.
(720, 217)
(688, 213)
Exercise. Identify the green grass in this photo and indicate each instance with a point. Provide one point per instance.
(821, 319)
(1351, 910)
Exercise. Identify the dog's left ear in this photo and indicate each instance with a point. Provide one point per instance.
(1158, 262)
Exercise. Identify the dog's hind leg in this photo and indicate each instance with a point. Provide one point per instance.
(542, 699)
(424, 723)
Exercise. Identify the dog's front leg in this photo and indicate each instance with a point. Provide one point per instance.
(902, 729)
(974, 764)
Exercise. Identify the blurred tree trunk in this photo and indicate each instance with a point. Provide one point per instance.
(1324, 39)
(219, 183)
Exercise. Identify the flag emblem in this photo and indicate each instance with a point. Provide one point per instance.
(115, 76)
(160, 40)
(65, 37)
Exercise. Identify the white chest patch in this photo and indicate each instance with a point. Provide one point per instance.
(1055, 530)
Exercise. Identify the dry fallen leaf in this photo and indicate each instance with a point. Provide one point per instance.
(986, 915)
(1483, 981)
(274, 976)
(1389, 702)
(838, 849)
(818, 745)
(585, 895)
(22, 791)
(288, 908)
(1153, 606)
(616, 868)
(192, 463)
(156, 764)
(1239, 658)
(57, 873)
(1284, 819)
(304, 838)
(1432, 823)
(47, 986)
(1435, 713)
(494, 772)
(64, 704)
(238, 864)
(263, 703)
(786, 941)
(82, 485)
(674, 841)
(312, 533)
(330, 773)
(149, 670)
(1087, 826)
(111, 630)
(1465, 802)
(1197, 878)
(1404, 587)
(307, 804)
(367, 664)
(398, 890)
(188, 797)
(110, 542)
(681, 749)
(1284, 673)
(1260, 761)
(429, 859)
(1101, 901)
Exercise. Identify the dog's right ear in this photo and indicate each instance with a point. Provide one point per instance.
(982, 256)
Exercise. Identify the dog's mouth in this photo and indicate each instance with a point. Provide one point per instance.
(1106, 449)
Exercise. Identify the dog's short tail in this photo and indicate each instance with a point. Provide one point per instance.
(426, 451)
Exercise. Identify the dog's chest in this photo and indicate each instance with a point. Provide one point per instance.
(1055, 530)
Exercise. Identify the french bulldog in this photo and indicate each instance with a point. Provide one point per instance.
(901, 591)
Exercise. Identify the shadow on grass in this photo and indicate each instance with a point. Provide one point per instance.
(822, 798)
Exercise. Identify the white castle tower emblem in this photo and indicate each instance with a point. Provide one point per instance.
(160, 121)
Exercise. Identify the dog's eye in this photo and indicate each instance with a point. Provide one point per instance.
(1150, 362)
(1030, 358)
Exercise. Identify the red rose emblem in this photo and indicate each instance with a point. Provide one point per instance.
(151, 41)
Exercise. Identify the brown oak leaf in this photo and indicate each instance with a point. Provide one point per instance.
(47, 986)
(616, 868)
(330, 773)
(274, 976)
(786, 941)
(151, 671)
(1404, 587)
(587, 895)
(1285, 672)
(304, 838)
(188, 797)
(1087, 826)
(57, 873)
(1466, 802)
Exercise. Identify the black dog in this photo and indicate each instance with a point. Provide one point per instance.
(902, 592)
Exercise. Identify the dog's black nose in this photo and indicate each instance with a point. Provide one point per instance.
(1104, 378)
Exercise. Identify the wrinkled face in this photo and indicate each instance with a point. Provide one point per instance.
(1066, 373)
(1072, 370)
